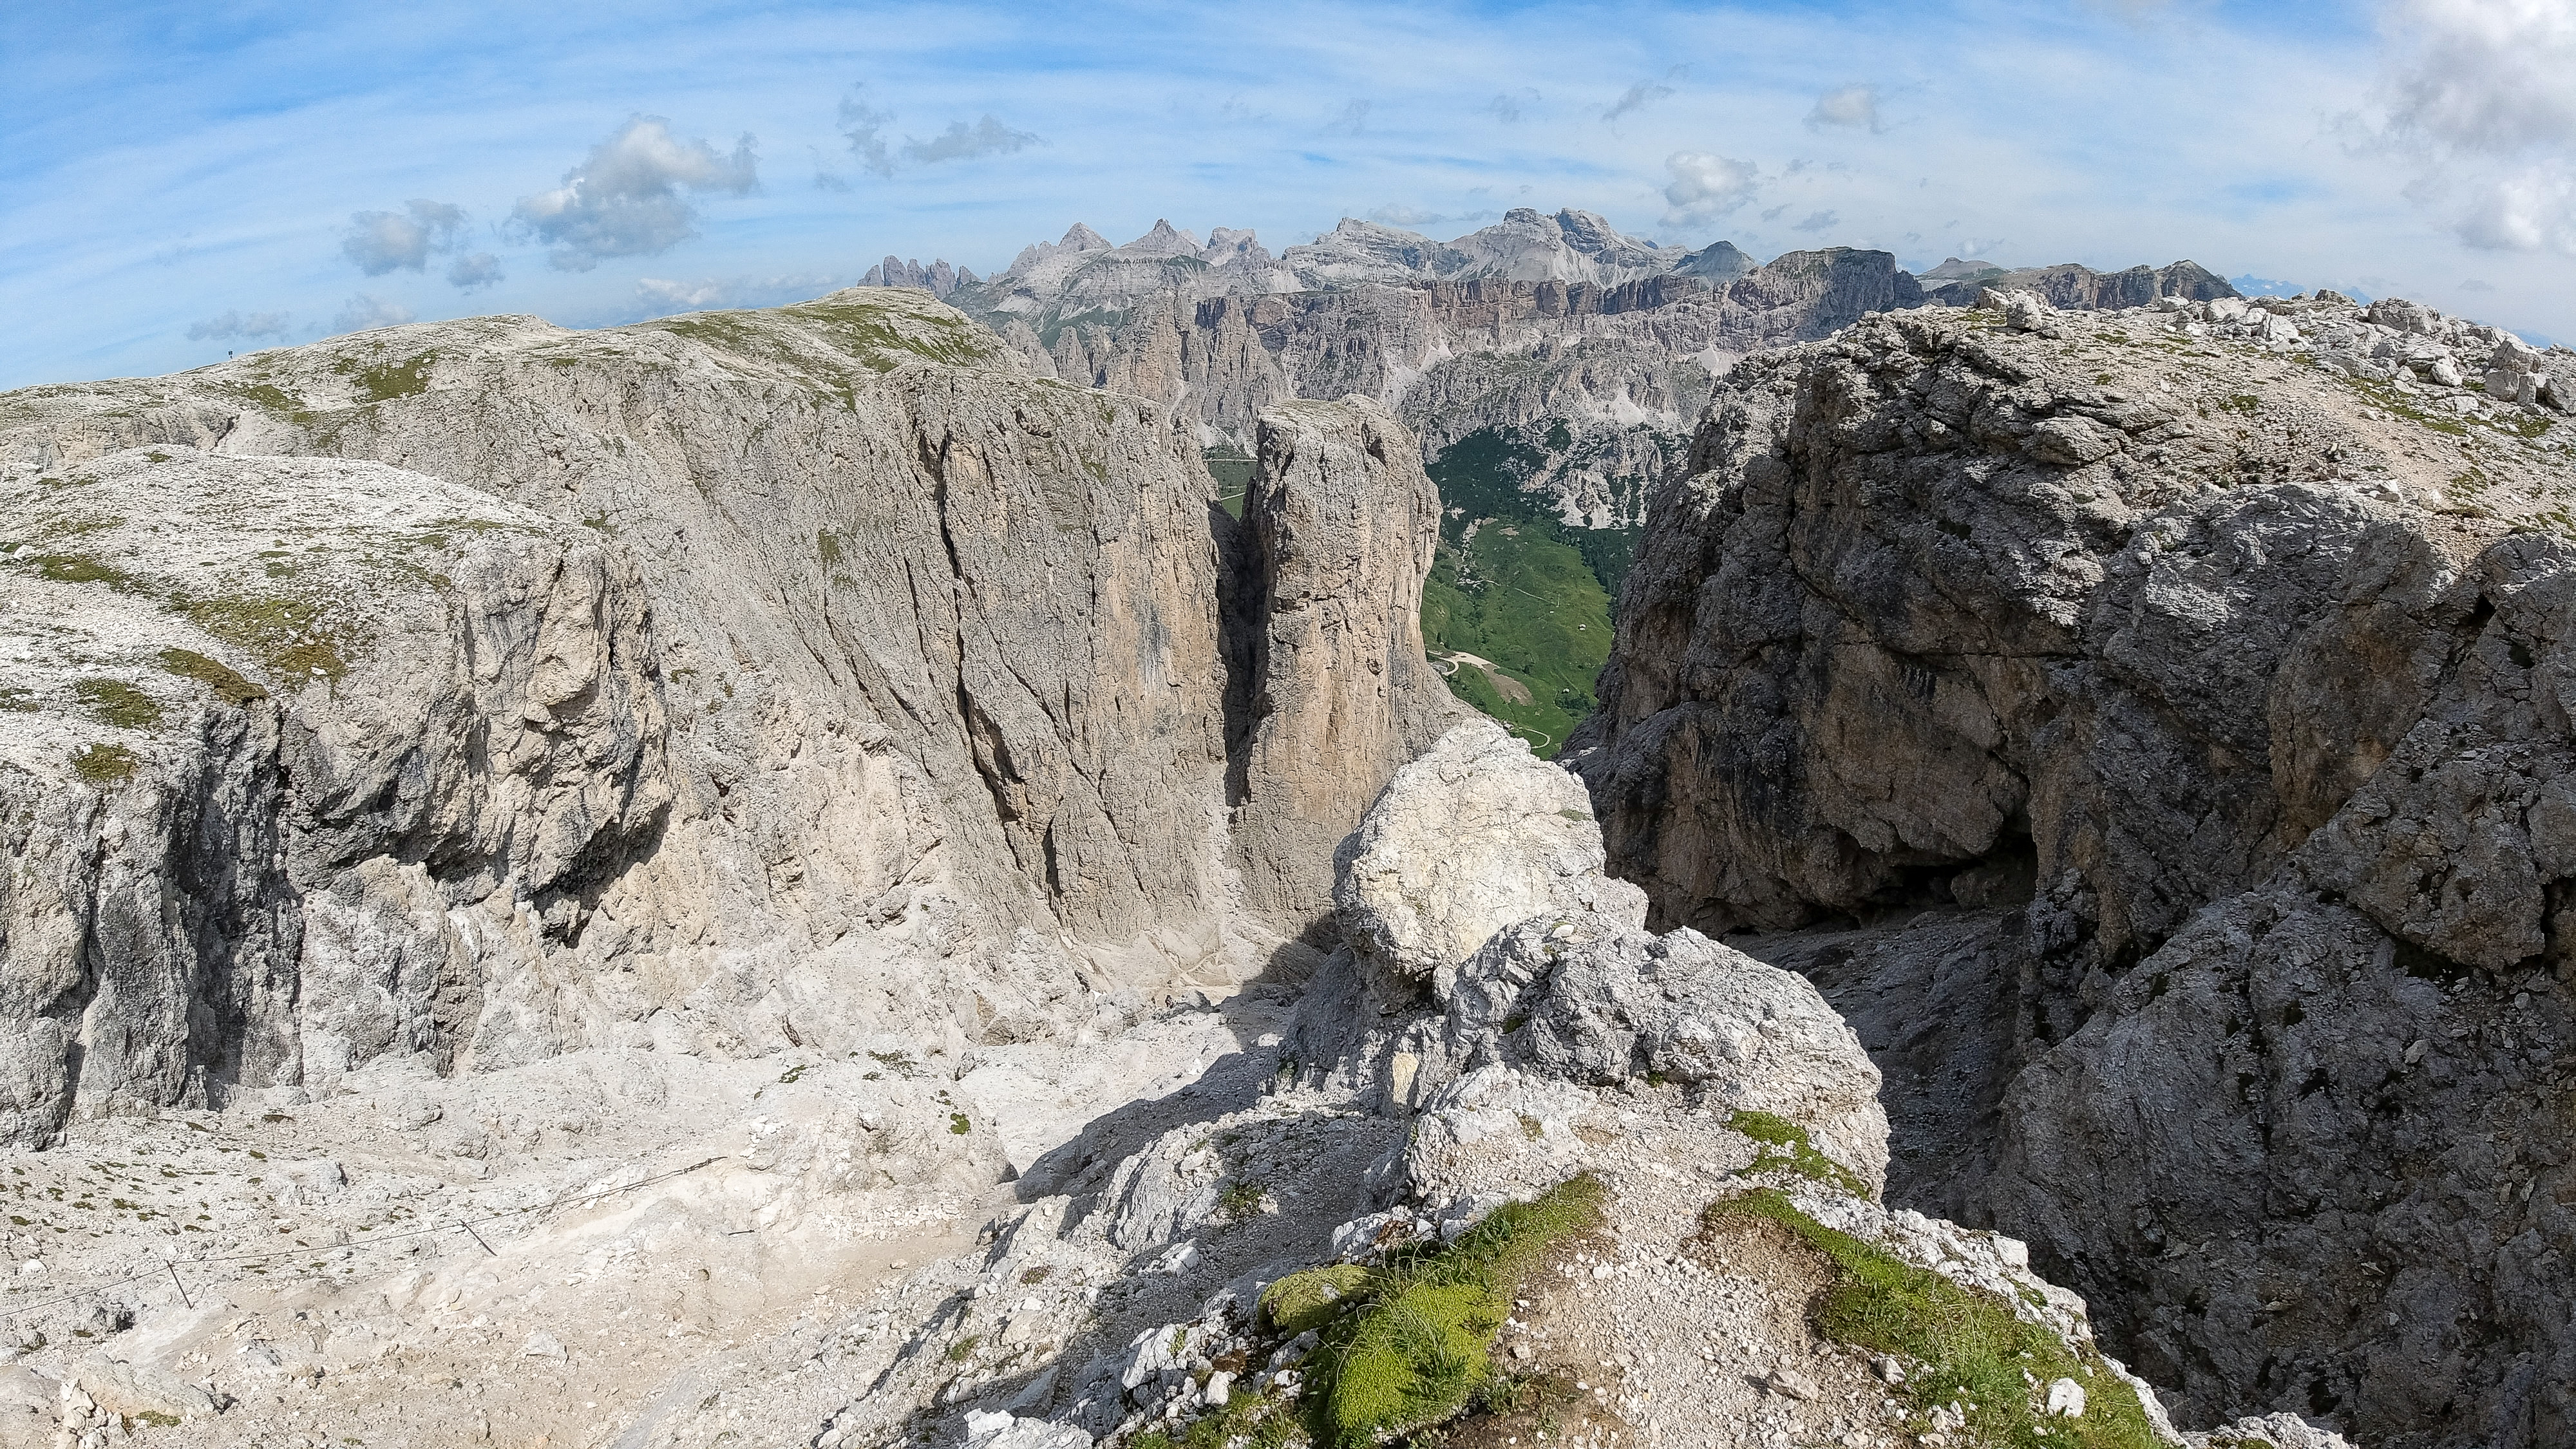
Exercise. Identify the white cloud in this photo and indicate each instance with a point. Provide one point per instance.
(1854, 106)
(2478, 95)
(1819, 221)
(247, 326)
(479, 270)
(1510, 106)
(380, 241)
(1705, 186)
(961, 142)
(366, 311)
(1353, 119)
(863, 126)
(625, 199)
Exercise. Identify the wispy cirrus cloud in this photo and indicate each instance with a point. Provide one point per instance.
(1639, 96)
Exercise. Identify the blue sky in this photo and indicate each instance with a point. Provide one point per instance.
(185, 179)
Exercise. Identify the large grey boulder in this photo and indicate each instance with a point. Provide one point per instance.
(1594, 1000)
(1475, 835)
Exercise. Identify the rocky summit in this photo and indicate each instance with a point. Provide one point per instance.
(814, 877)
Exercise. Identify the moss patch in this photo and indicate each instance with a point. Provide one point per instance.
(1785, 1147)
(1311, 1299)
(1963, 1346)
(73, 568)
(104, 764)
(1415, 1351)
(116, 702)
(229, 687)
(389, 380)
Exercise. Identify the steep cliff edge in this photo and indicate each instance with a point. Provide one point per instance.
(1338, 528)
(2147, 724)
(913, 730)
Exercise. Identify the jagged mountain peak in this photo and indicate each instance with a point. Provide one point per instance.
(1163, 240)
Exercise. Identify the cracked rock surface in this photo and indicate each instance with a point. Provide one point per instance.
(2173, 694)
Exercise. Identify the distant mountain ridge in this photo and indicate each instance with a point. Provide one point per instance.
(1579, 352)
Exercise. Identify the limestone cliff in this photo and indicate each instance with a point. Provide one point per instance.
(870, 694)
(1339, 528)
(2146, 725)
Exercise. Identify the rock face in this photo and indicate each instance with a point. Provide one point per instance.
(275, 709)
(1338, 529)
(2197, 682)
(743, 680)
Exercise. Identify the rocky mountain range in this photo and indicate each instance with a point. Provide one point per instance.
(799, 877)
(1578, 348)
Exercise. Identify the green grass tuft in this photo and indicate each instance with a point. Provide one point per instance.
(116, 702)
(229, 687)
(1787, 1147)
(1415, 1351)
(1962, 1346)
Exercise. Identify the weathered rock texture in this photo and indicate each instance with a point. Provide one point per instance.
(869, 693)
(1339, 528)
(2214, 682)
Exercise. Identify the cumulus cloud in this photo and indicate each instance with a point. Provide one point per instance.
(864, 127)
(961, 142)
(482, 269)
(367, 311)
(1854, 107)
(1641, 95)
(627, 198)
(381, 241)
(1819, 221)
(2477, 95)
(245, 326)
(1705, 186)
